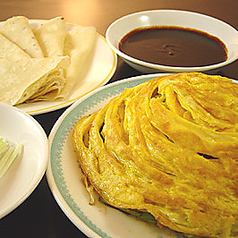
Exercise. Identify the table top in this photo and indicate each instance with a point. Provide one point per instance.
(40, 215)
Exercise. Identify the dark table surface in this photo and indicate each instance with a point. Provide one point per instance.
(40, 215)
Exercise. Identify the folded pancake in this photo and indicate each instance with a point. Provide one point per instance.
(79, 43)
(168, 147)
(32, 79)
(18, 30)
(51, 36)
(8, 50)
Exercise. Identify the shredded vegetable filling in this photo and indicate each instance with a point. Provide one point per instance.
(8, 154)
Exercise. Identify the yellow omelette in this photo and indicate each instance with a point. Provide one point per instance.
(168, 147)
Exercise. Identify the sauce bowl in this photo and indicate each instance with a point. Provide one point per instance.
(175, 18)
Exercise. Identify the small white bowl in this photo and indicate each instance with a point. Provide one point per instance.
(119, 28)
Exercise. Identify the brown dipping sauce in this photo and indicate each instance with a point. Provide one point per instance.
(173, 46)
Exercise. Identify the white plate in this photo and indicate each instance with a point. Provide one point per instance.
(64, 175)
(100, 68)
(120, 27)
(24, 174)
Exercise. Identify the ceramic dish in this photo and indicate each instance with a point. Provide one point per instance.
(100, 68)
(227, 34)
(64, 175)
(24, 175)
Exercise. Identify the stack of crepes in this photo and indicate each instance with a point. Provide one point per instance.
(42, 61)
(168, 147)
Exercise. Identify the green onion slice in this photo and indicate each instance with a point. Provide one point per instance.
(9, 152)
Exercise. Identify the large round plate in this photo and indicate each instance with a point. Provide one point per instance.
(100, 68)
(24, 174)
(64, 176)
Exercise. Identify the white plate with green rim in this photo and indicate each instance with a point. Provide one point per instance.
(64, 176)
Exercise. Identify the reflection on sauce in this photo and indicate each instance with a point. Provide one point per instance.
(173, 46)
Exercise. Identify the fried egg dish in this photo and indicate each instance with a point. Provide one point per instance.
(168, 147)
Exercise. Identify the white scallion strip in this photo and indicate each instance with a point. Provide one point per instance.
(8, 154)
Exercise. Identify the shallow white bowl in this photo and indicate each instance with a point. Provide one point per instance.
(24, 175)
(226, 33)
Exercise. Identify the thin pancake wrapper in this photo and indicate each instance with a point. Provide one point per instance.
(51, 39)
(18, 30)
(51, 36)
(79, 44)
(168, 147)
(8, 50)
(29, 80)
